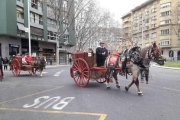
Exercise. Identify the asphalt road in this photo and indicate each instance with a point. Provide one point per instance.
(55, 96)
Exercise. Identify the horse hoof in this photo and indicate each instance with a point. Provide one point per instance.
(118, 86)
(108, 87)
(126, 88)
(140, 93)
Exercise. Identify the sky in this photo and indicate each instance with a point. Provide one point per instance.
(118, 8)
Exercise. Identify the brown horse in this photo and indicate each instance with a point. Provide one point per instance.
(112, 64)
(39, 65)
(134, 68)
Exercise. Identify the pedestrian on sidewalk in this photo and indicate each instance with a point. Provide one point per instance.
(1, 68)
(5, 63)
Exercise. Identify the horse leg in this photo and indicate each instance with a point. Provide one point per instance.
(116, 79)
(142, 75)
(32, 70)
(147, 75)
(108, 79)
(127, 87)
(41, 73)
(137, 85)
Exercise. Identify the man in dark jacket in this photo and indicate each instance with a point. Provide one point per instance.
(1, 68)
(101, 54)
(5, 62)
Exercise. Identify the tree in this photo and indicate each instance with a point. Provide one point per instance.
(87, 23)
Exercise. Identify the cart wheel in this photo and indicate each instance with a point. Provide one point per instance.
(80, 72)
(15, 67)
(101, 80)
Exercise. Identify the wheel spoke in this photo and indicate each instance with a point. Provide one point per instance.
(75, 65)
(78, 78)
(85, 75)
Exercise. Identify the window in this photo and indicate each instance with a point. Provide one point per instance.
(153, 25)
(178, 4)
(51, 35)
(165, 5)
(165, 32)
(36, 18)
(166, 13)
(34, 4)
(153, 35)
(165, 22)
(164, 42)
(153, 17)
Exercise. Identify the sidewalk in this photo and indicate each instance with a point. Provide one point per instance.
(55, 65)
(153, 64)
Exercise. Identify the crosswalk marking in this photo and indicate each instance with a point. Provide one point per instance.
(58, 73)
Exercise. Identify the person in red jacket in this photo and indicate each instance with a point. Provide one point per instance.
(28, 58)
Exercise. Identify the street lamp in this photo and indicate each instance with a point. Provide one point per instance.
(28, 29)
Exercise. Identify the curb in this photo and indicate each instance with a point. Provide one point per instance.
(156, 65)
(53, 66)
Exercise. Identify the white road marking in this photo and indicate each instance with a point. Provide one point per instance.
(44, 72)
(58, 73)
(171, 89)
(56, 103)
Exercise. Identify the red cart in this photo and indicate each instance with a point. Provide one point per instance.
(16, 66)
(83, 69)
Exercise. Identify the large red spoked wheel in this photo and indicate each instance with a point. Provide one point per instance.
(80, 72)
(15, 66)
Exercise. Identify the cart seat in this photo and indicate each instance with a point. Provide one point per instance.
(118, 68)
(102, 68)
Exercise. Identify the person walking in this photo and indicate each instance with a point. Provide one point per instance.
(1, 68)
(5, 62)
(101, 54)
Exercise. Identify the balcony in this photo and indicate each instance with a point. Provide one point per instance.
(19, 3)
(20, 20)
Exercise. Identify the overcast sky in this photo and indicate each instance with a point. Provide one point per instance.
(118, 8)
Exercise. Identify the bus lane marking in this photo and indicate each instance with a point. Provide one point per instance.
(56, 103)
(101, 116)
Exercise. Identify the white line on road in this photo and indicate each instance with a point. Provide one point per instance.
(171, 89)
(44, 72)
(58, 73)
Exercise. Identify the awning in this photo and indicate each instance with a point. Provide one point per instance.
(20, 26)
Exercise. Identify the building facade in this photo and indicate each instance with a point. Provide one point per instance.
(46, 31)
(155, 21)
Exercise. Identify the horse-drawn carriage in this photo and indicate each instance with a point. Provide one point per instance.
(17, 65)
(84, 68)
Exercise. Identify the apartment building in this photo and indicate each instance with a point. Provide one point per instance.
(48, 36)
(155, 21)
